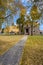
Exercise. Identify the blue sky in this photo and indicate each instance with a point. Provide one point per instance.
(41, 27)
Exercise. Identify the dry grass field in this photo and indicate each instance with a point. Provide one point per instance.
(33, 51)
(7, 42)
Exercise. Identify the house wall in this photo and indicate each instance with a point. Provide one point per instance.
(36, 30)
(29, 29)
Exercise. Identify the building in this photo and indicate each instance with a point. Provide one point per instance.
(41, 32)
(27, 30)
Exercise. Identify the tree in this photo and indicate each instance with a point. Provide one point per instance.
(2, 30)
(21, 19)
(34, 16)
(20, 22)
(7, 29)
(1, 22)
(12, 5)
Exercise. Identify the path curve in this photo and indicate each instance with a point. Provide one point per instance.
(13, 55)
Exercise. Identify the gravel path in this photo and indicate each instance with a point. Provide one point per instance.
(13, 55)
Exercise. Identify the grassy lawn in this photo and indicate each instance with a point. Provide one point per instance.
(33, 51)
(7, 42)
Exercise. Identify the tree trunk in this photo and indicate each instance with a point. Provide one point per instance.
(22, 29)
(0, 25)
(32, 29)
(19, 29)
